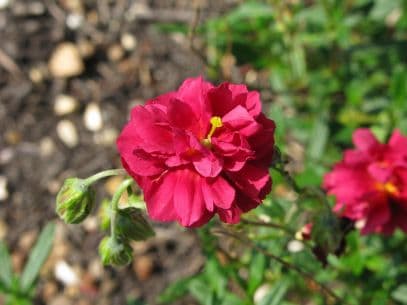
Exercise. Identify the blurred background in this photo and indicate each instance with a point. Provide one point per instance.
(70, 71)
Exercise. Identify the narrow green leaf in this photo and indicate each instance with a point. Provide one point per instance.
(6, 274)
(201, 291)
(175, 291)
(37, 257)
(276, 294)
(256, 272)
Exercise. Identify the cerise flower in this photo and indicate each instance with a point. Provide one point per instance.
(370, 183)
(199, 151)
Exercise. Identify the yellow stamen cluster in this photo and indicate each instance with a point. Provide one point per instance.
(216, 122)
(388, 187)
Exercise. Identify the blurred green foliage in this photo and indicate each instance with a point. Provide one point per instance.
(20, 289)
(332, 66)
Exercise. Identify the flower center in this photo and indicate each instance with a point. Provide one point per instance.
(216, 122)
(389, 188)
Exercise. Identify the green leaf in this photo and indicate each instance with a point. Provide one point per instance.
(276, 294)
(6, 274)
(256, 272)
(201, 291)
(37, 257)
(318, 139)
(400, 294)
(175, 291)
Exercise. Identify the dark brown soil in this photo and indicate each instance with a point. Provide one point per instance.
(33, 159)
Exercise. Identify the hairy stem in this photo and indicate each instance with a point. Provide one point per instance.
(110, 172)
(114, 204)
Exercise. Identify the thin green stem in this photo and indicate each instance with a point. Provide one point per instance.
(267, 224)
(114, 204)
(110, 172)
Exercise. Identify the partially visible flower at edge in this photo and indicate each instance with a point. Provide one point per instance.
(199, 151)
(370, 183)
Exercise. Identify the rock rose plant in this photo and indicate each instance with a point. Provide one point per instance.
(370, 183)
(206, 150)
(199, 151)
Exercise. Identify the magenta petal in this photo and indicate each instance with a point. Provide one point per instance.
(376, 218)
(231, 216)
(181, 115)
(364, 139)
(218, 192)
(159, 198)
(239, 119)
(151, 133)
(379, 172)
(208, 165)
(251, 180)
(188, 198)
(253, 103)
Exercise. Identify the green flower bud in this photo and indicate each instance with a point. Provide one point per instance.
(130, 224)
(115, 252)
(75, 200)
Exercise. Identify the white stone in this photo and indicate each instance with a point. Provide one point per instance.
(128, 41)
(66, 274)
(47, 147)
(66, 61)
(295, 246)
(74, 21)
(66, 131)
(93, 117)
(65, 104)
(4, 4)
(105, 137)
(261, 292)
(3, 188)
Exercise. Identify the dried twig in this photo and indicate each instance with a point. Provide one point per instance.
(192, 33)
(9, 64)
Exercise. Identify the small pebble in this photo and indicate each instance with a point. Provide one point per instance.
(4, 4)
(112, 184)
(36, 75)
(66, 61)
(86, 48)
(74, 21)
(105, 137)
(66, 131)
(47, 147)
(96, 269)
(65, 104)
(295, 246)
(261, 292)
(6, 155)
(128, 41)
(115, 52)
(66, 274)
(49, 290)
(143, 267)
(61, 300)
(3, 188)
(91, 224)
(27, 240)
(93, 117)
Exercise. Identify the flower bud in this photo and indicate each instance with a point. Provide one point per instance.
(115, 252)
(75, 200)
(130, 224)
